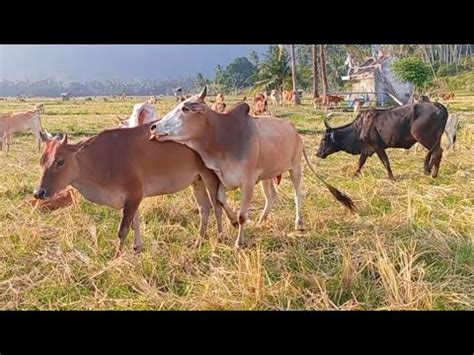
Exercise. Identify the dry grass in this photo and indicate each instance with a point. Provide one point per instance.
(410, 246)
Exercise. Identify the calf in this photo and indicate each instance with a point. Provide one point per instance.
(332, 100)
(120, 167)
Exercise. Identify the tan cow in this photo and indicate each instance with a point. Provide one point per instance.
(219, 106)
(120, 167)
(260, 106)
(240, 149)
(288, 97)
(12, 123)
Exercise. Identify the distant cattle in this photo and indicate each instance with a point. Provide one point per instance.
(12, 123)
(332, 100)
(374, 130)
(448, 96)
(260, 106)
(275, 97)
(287, 96)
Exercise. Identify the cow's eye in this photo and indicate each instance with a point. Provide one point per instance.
(185, 109)
(60, 162)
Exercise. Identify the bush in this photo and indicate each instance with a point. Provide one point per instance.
(413, 70)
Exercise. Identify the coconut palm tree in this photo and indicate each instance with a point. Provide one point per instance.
(322, 61)
(315, 72)
(296, 97)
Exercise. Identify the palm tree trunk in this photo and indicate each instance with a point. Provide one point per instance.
(322, 61)
(315, 72)
(296, 97)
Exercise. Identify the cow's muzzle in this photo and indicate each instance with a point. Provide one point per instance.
(40, 194)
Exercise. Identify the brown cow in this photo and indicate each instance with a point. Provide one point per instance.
(120, 167)
(332, 100)
(18, 123)
(240, 149)
(260, 107)
(288, 97)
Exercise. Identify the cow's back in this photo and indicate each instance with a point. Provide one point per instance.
(124, 159)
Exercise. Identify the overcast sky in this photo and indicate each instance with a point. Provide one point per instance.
(89, 62)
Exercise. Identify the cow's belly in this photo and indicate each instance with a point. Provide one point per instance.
(114, 199)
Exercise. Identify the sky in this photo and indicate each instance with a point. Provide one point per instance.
(125, 62)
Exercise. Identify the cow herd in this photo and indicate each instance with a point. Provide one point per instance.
(216, 149)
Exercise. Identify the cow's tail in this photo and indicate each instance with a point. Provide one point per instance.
(340, 196)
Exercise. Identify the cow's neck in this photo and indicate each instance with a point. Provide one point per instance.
(222, 144)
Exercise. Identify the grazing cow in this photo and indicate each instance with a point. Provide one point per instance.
(241, 150)
(88, 99)
(332, 100)
(18, 123)
(120, 167)
(375, 130)
(142, 113)
(275, 97)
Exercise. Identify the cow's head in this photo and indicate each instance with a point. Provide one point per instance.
(59, 165)
(328, 144)
(186, 121)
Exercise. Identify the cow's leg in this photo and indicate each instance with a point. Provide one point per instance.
(362, 160)
(129, 210)
(204, 204)
(218, 199)
(450, 140)
(137, 245)
(384, 158)
(435, 160)
(296, 175)
(270, 197)
(247, 192)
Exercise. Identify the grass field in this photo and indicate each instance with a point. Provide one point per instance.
(409, 247)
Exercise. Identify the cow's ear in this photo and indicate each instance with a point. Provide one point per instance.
(194, 107)
(331, 136)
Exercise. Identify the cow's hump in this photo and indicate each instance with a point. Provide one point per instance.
(240, 109)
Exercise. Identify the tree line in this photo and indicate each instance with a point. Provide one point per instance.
(314, 68)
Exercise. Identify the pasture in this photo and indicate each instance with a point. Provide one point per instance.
(409, 247)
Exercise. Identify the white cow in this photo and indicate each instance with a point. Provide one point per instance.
(450, 130)
(141, 114)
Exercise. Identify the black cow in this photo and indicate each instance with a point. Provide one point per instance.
(374, 130)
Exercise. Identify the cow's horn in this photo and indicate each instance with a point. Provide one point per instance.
(203, 93)
(326, 123)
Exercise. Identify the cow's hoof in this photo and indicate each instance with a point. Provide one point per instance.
(138, 248)
(235, 224)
